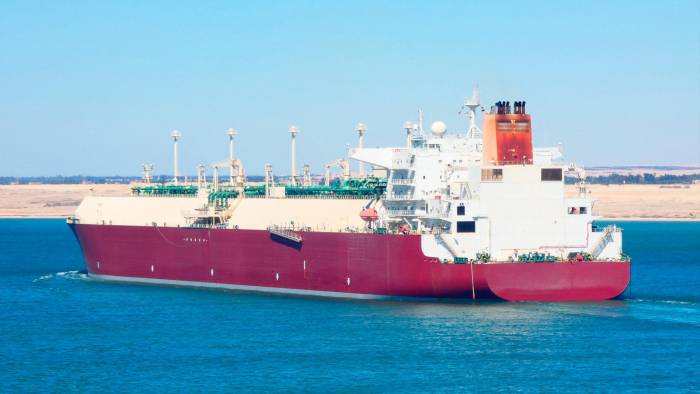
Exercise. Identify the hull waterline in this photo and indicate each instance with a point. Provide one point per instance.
(352, 265)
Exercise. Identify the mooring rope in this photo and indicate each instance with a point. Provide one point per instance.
(471, 267)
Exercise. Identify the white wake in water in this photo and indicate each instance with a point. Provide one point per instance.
(71, 275)
(678, 302)
(43, 278)
(674, 311)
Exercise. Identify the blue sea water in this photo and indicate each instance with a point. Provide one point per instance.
(61, 331)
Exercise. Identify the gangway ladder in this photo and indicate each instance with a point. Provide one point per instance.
(603, 241)
(447, 245)
(287, 237)
(455, 254)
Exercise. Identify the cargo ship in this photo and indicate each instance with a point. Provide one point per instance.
(476, 214)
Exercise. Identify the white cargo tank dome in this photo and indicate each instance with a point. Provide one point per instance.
(438, 128)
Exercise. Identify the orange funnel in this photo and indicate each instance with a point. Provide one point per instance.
(507, 137)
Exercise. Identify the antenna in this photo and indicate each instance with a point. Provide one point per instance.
(307, 175)
(215, 178)
(361, 129)
(147, 173)
(472, 103)
(328, 174)
(201, 175)
(231, 133)
(439, 128)
(408, 126)
(175, 135)
(420, 120)
(293, 130)
(269, 179)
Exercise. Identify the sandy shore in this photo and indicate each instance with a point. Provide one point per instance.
(620, 202)
(645, 202)
(47, 201)
(685, 169)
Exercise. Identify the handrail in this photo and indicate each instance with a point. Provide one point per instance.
(401, 181)
(287, 234)
(401, 212)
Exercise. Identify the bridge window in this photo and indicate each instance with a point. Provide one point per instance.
(466, 227)
(551, 174)
(460, 210)
(491, 174)
(578, 210)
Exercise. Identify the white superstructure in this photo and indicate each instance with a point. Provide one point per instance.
(440, 186)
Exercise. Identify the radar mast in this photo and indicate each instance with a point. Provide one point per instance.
(472, 103)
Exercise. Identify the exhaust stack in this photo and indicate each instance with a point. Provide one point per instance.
(507, 136)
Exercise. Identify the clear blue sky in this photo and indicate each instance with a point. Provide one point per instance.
(96, 87)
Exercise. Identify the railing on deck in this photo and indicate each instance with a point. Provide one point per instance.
(401, 181)
(401, 212)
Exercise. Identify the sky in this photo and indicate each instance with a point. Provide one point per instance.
(95, 87)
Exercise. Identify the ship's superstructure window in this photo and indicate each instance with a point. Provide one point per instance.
(466, 227)
(578, 210)
(460, 210)
(551, 174)
(491, 174)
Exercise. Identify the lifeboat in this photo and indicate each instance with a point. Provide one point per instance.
(369, 215)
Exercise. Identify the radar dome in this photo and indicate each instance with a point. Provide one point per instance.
(438, 128)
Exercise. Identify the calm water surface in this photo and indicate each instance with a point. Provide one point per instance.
(60, 331)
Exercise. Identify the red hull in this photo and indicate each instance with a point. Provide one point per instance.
(334, 264)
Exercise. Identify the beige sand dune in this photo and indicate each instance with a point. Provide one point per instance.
(37, 201)
(687, 169)
(681, 202)
(645, 201)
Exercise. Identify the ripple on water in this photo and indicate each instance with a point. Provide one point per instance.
(673, 311)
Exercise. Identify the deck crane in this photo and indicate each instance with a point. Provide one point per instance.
(236, 167)
(343, 164)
